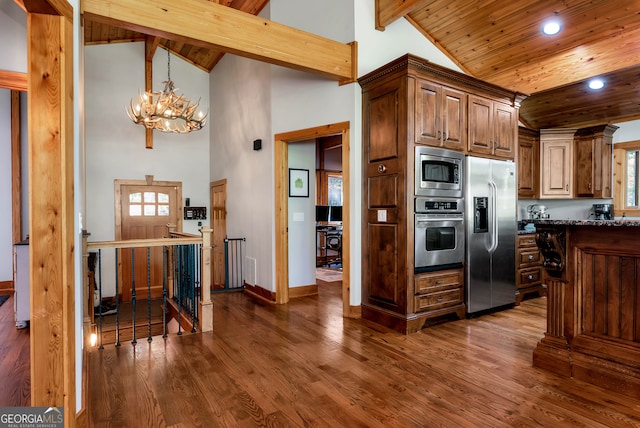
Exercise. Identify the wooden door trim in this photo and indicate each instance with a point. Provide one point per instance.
(281, 151)
(149, 181)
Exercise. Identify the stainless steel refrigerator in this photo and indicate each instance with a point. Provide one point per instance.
(490, 211)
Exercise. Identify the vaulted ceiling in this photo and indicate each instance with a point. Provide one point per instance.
(501, 42)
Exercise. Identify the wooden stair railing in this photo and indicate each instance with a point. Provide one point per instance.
(205, 309)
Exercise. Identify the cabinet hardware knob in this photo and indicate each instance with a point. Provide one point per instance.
(530, 241)
(589, 186)
(530, 257)
(567, 187)
(440, 281)
(446, 136)
(382, 168)
(439, 299)
(530, 276)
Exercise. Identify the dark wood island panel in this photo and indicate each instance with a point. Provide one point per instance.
(592, 273)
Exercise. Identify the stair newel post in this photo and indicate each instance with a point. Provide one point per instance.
(206, 306)
(87, 292)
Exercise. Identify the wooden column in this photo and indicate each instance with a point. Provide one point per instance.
(16, 169)
(206, 306)
(51, 219)
(150, 46)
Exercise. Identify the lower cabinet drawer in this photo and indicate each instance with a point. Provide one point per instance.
(442, 299)
(528, 277)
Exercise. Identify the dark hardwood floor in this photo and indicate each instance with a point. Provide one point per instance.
(15, 386)
(302, 364)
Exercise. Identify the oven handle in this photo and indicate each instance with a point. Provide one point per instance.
(429, 219)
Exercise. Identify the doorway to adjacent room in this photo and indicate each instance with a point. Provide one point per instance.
(281, 145)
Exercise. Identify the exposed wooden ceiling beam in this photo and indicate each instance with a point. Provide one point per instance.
(48, 7)
(21, 4)
(13, 80)
(150, 47)
(388, 11)
(211, 25)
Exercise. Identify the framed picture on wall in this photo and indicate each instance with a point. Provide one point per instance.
(298, 183)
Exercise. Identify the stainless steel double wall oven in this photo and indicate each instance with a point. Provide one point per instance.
(439, 209)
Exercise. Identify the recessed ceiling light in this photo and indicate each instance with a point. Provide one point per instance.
(596, 84)
(551, 27)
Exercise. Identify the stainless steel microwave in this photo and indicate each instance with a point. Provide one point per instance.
(438, 172)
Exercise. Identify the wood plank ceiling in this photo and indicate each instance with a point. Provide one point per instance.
(501, 42)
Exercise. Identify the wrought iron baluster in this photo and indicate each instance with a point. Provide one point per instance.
(165, 257)
(192, 286)
(117, 300)
(149, 337)
(100, 296)
(133, 294)
(178, 279)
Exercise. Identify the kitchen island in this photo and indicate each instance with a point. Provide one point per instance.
(592, 274)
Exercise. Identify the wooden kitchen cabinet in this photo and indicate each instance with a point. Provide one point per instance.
(593, 161)
(440, 291)
(407, 103)
(440, 116)
(492, 128)
(556, 159)
(528, 163)
(528, 267)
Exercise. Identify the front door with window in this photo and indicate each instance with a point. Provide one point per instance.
(145, 212)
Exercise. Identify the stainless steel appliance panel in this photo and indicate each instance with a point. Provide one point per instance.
(438, 172)
(490, 197)
(439, 240)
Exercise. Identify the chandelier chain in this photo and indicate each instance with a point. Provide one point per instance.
(168, 60)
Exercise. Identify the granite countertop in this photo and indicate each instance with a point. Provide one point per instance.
(526, 232)
(606, 223)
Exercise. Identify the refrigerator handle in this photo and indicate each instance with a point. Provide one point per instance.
(494, 217)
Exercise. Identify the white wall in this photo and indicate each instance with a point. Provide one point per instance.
(302, 212)
(6, 244)
(627, 131)
(13, 38)
(115, 146)
(376, 48)
(13, 34)
(240, 114)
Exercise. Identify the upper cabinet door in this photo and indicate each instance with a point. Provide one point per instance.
(480, 121)
(528, 163)
(440, 116)
(454, 119)
(427, 114)
(492, 128)
(557, 157)
(505, 126)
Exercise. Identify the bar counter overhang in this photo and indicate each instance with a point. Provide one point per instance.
(592, 274)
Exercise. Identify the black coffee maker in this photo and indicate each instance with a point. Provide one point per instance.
(603, 211)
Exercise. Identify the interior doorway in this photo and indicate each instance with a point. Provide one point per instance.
(281, 146)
